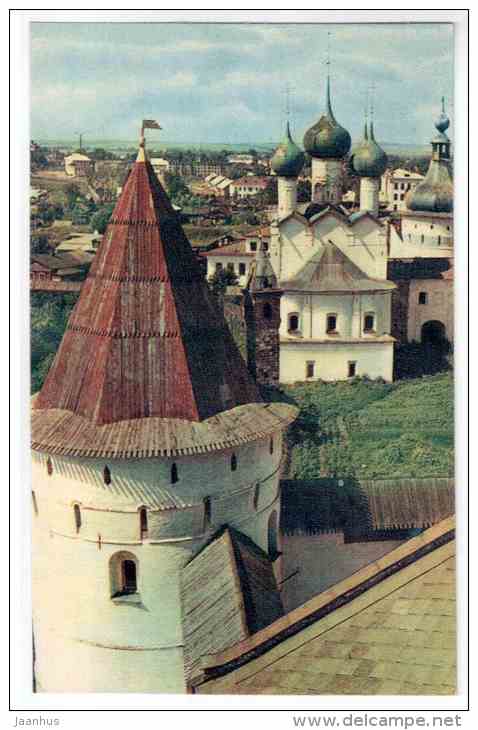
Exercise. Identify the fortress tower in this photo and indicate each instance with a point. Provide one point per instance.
(148, 436)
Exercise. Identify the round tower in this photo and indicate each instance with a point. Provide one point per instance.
(147, 437)
(287, 162)
(369, 162)
(327, 142)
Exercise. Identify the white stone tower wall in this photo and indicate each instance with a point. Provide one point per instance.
(369, 194)
(132, 643)
(287, 196)
(327, 181)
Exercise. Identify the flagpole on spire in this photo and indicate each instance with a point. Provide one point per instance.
(372, 92)
(327, 63)
(146, 124)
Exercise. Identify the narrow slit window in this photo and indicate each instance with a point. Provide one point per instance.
(271, 446)
(267, 311)
(207, 512)
(77, 515)
(128, 574)
(34, 502)
(310, 369)
(293, 322)
(107, 475)
(143, 522)
(174, 474)
(233, 462)
(422, 297)
(242, 269)
(352, 369)
(49, 467)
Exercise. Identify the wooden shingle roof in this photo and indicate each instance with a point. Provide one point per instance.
(389, 629)
(228, 592)
(146, 339)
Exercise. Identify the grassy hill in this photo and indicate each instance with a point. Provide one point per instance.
(371, 429)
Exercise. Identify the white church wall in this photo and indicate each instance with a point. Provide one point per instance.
(428, 230)
(331, 361)
(438, 306)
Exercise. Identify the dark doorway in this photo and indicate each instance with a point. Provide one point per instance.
(434, 334)
(129, 576)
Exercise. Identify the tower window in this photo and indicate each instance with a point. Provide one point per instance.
(422, 237)
(207, 512)
(253, 245)
(293, 323)
(352, 369)
(422, 297)
(233, 462)
(174, 474)
(271, 446)
(106, 475)
(34, 502)
(310, 369)
(331, 324)
(369, 322)
(123, 574)
(143, 522)
(77, 515)
(267, 311)
(242, 269)
(49, 467)
(257, 489)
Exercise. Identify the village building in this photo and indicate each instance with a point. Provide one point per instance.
(148, 438)
(395, 185)
(248, 186)
(78, 165)
(161, 167)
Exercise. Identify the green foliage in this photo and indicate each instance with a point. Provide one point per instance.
(100, 219)
(176, 186)
(220, 280)
(48, 320)
(39, 244)
(370, 429)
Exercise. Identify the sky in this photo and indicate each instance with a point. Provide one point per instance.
(213, 83)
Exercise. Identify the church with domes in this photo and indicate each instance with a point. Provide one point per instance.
(331, 265)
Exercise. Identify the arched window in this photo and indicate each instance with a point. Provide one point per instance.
(267, 311)
(106, 475)
(369, 322)
(272, 534)
(123, 574)
(233, 462)
(143, 522)
(49, 467)
(271, 446)
(293, 322)
(174, 474)
(77, 514)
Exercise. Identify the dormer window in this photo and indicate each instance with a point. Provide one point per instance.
(293, 323)
(331, 328)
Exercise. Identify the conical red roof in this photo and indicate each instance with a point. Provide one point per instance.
(146, 338)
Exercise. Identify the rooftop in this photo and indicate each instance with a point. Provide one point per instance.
(387, 629)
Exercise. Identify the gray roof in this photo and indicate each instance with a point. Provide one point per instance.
(329, 270)
(228, 592)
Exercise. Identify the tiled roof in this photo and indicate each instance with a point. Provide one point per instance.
(251, 180)
(146, 338)
(238, 248)
(331, 270)
(228, 592)
(388, 629)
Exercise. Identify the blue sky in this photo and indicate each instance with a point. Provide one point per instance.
(226, 83)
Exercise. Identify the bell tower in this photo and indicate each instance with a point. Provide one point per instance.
(261, 304)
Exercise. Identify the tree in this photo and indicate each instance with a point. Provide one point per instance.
(100, 220)
(176, 185)
(220, 280)
(39, 244)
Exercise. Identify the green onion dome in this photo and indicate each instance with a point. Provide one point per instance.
(326, 139)
(288, 159)
(369, 160)
(435, 193)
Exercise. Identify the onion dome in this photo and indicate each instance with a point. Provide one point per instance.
(326, 139)
(369, 160)
(288, 159)
(435, 193)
